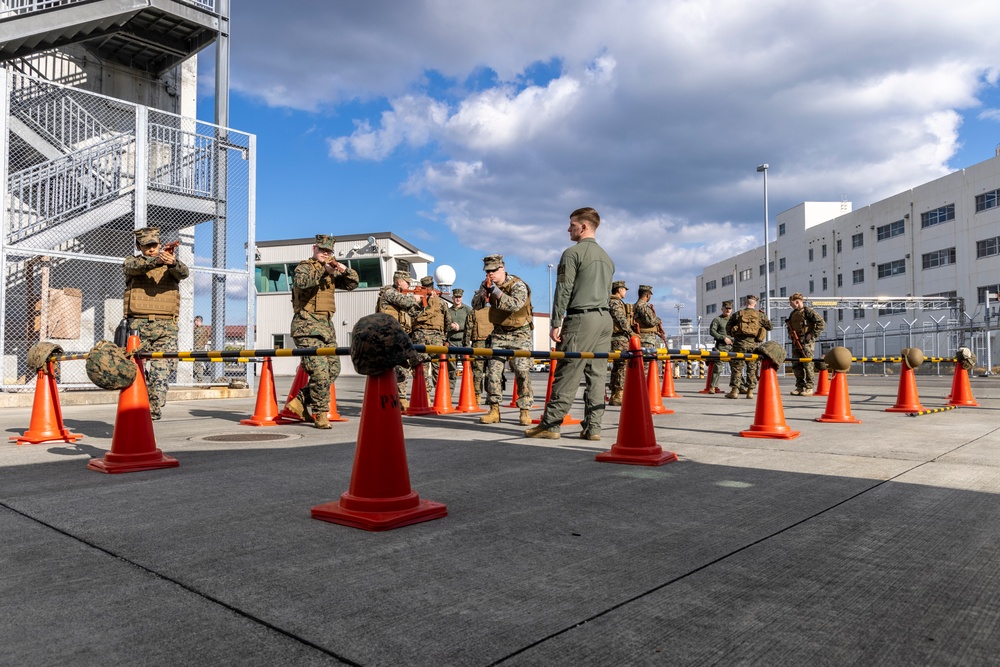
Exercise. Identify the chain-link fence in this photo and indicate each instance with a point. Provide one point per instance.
(82, 172)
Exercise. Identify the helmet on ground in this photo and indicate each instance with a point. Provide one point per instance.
(109, 368)
(772, 350)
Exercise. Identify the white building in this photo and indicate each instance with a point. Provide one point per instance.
(915, 269)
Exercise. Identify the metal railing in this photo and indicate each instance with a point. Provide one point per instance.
(22, 7)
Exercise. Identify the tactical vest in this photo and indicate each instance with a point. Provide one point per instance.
(747, 324)
(431, 318)
(797, 322)
(152, 293)
(629, 312)
(319, 299)
(383, 306)
(481, 325)
(505, 320)
(643, 327)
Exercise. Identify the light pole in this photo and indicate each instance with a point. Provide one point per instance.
(550, 293)
(767, 264)
(680, 334)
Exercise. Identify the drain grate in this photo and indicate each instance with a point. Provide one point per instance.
(246, 437)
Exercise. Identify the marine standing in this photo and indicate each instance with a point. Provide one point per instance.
(621, 318)
(314, 284)
(459, 316)
(152, 302)
(429, 328)
(582, 286)
(477, 334)
(723, 343)
(509, 300)
(804, 327)
(199, 343)
(394, 301)
(649, 324)
(748, 328)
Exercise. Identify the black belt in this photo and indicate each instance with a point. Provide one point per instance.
(581, 311)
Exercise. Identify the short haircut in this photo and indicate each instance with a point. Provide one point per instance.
(588, 215)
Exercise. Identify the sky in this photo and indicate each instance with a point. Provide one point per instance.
(470, 127)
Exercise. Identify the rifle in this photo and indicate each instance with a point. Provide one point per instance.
(424, 293)
(796, 343)
(170, 247)
(659, 327)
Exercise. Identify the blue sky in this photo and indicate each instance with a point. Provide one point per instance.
(470, 127)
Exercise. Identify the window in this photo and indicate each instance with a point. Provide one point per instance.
(824, 284)
(822, 251)
(746, 274)
(783, 292)
(992, 289)
(277, 341)
(273, 278)
(988, 200)
(709, 309)
(770, 267)
(840, 314)
(891, 311)
(781, 229)
(859, 276)
(840, 280)
(932, 260)
(812, 286)
(710, 285)
(893, 268)
(937, 216)
(840, 245)
(810, 254)
(781, 263)
(369, 271)
(888, 231)
(762, 269)
(859, 313)
(988, 247)
(727, 280)
(857, 240)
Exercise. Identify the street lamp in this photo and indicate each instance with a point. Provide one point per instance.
(550, 293)
(680, 334)
(767, 264)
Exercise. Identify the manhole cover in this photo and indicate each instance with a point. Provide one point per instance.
(246, 437)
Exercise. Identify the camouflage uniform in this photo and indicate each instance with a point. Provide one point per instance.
(746, 343)
(311, 325)
(621, 318)
(429, 328)
(515, 297)
(202, 369)
(649, 324)
(718, 331)
(478, 329)
(403, 308)
(805, 325)
(459, 315)
(152, 303)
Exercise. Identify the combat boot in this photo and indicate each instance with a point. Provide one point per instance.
(296, 408)
(750, 392)
(732, 392)
(404, 404)
(541, 431)
(616, 397)
(525, 418)
(321, 421)
(491, 417)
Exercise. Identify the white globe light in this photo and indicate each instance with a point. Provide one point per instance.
(444, 276)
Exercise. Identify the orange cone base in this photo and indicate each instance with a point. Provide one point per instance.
(567, 421)
(379, 514)
(784, 432)
(277, 421)
(660, 410)
(115, 463)
(637, 456)
(915, 407)
(332, 415)
(38, 437)
(835, 419)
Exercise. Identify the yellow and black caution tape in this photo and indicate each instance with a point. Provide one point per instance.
(932, 411)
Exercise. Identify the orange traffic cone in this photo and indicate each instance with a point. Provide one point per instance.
(838, 403)
(636, 443)
(46, 423)
(513, 395)
(301, 380)
(442, 392)
(961, 390)
(467, 393)
(769, 416)
(332, 414)
(667, 391)
(708, 379)
(653, 389)
(418, 395)
(380, 497)
(822, 384)
(906, 398)
(567, 420)
(265, 413)
(133, 445)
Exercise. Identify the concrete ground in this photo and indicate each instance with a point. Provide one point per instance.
(871, 543)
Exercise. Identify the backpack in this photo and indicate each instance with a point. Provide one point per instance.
(748, 323)
(109, 368)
